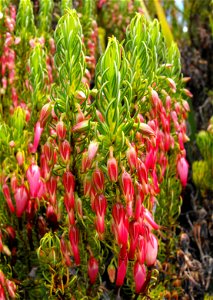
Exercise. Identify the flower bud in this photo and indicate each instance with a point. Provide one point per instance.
(87, 185)
(141, 248)
(68, 182)
(92, 269)
(134, 233)
(120, 224)
(20, 157)
(74, 240)
(6, 192)
(132, 158)
(21, 198)
(37, 135)
(98, 180)
(122, 268)
(52, 215)
(139, 276)
(172, 84)
(51, 186)
(69, 201)
(48, 152)
(65, 151)
(127, 186)
(182, 170)
(11, 288)
(81, 126)
(44, 114)
(37, 188)
(92, 150)
(152, 250)
(111, 273)
(61, 130)
(142, 172)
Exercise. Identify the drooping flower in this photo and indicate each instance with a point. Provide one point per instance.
(139, 276)
(37, 135)
(182, 169)
(151, 250)
(21, 198)
(122, 266)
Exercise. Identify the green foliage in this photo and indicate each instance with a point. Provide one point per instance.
(37, 64)
(45, 16)
(25, 26)
(203, 169)
(69, 59)
(113, 77)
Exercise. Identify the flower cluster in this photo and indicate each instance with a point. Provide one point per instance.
(83, 166)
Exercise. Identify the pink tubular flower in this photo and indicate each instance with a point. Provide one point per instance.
(100, 205)
(81, 126)
(37, 187)
(51, 215)
(134, 233)
(155, 98)
(45, 168)
(132, 158)
(152, 250)
(44, 114)
(21, 198)
(6, 192)
(68, 182)
(65, 151)
(182, 170)
(61, 130)
(74, 240)
(142, 172)
(11, 288)
(139, 198)
(172, 84)
(51, 186)
(14, 182)
(141, 249)
(48, 152)
(87, 185)
(69, 201)
(122, 267)
(120, 224)
(139, 276)
(127, 186)
(112, 167)
(92, 269)
(149, 219)
(98, 180)
(2, 293)
(92, 150)
(37, 135)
